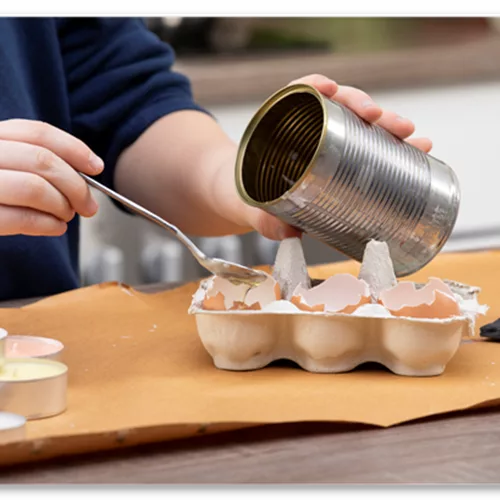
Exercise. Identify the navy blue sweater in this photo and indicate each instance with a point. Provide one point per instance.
(102, 80)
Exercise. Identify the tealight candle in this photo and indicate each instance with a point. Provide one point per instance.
(34, 388)
(12, 427)
(25, 346)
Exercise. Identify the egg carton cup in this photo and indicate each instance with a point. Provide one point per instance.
(329, 343)
(411, 329)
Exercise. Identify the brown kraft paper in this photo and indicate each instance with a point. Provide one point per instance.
(138, 372)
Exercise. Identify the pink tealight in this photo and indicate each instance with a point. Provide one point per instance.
(24, 346)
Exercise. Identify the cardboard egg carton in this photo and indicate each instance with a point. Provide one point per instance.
(337, 324)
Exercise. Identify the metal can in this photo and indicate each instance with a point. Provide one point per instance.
(318, 166)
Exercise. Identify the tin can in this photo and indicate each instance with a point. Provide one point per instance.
(318, 166)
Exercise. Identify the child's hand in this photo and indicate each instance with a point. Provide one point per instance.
(40, 189)
(362, 104)
(359, 102)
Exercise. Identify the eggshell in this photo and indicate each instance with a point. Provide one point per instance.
(342, 293)
(219, 294)
(434, 300)
(339, 324)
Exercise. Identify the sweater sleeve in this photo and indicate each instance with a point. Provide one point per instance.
(120, 81)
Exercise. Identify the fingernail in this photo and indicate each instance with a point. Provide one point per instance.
(401, 119)
(95, 162)
(368, 103)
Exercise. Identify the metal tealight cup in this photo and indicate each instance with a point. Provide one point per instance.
(316, 165)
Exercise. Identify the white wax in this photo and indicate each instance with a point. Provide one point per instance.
(10, 421)
(18, 370)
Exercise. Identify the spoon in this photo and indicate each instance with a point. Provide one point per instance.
(235, 273)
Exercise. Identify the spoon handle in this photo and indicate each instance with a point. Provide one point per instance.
(135, 207)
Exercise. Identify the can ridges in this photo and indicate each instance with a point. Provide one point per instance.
(348, 181)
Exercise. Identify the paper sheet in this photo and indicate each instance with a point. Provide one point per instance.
(138, 372)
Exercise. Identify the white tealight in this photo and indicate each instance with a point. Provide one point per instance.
(24, 370)
(34, 388)
(12, 427)
(10, 420)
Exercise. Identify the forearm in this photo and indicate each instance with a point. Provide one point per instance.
(181, 168)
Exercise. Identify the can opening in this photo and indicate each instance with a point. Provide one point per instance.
(282, 146)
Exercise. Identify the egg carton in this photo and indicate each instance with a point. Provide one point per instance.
(338, 324)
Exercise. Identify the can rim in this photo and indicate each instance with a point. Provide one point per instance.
(255, 122)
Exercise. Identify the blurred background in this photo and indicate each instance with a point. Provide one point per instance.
(443, 73)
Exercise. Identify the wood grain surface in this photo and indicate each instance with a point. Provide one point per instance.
(459, 449)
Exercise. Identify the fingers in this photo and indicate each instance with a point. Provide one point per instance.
(323, 84)
(54, 155)
(69, 148)
(396, 125)
(29, 222)
(359, 102)
(24, 189)
(422, 143)
(364, 106)
(18, 156)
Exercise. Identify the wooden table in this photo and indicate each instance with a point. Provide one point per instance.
(462, 448)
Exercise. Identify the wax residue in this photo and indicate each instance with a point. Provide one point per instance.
(19, 347)
(29, 370)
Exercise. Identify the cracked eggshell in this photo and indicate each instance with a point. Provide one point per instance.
(435, 300)
(219, 294)
(342, 293)
(327, 342)
(339, 324)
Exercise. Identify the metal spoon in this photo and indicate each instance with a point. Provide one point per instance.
(235, 273)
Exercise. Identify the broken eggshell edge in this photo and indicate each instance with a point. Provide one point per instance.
(328, 342)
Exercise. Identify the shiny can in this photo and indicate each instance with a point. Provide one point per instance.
(318, 166)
